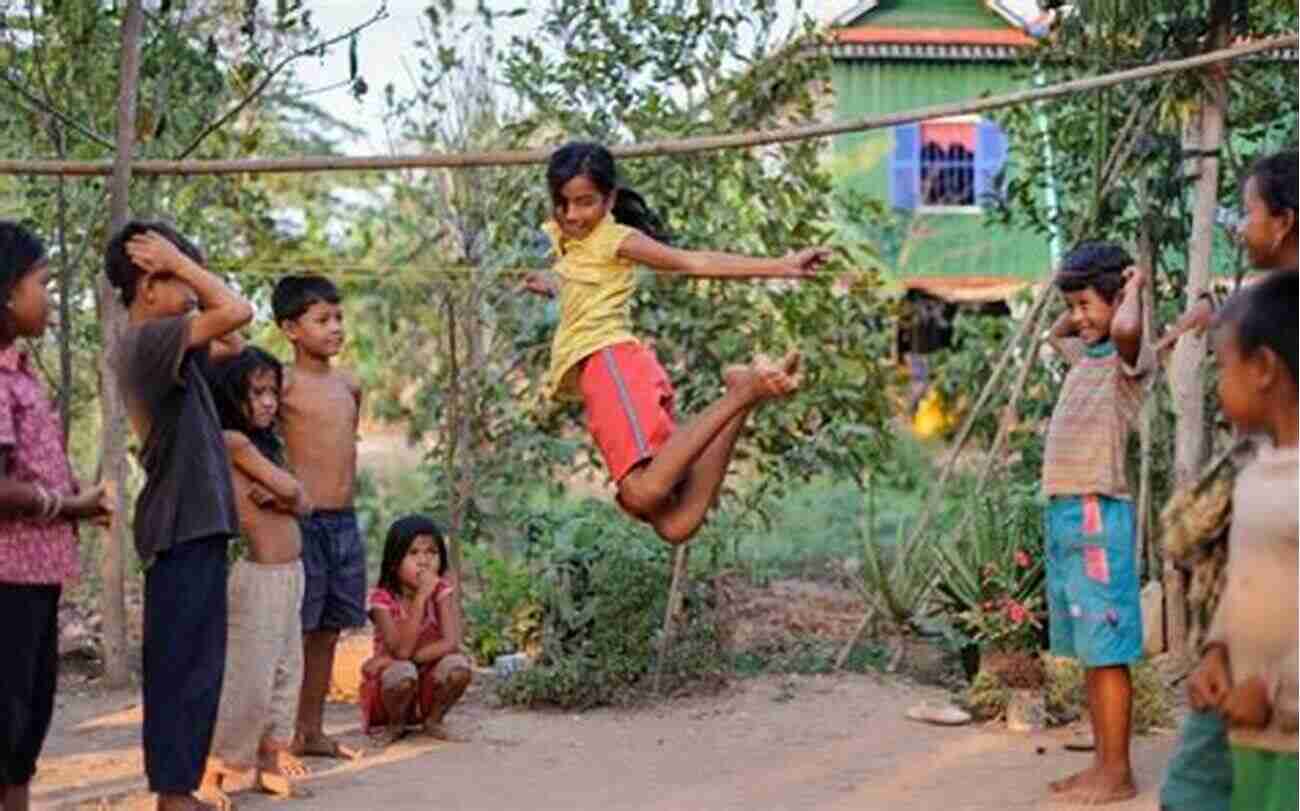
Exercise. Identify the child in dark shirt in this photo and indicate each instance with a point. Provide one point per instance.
(185, 515)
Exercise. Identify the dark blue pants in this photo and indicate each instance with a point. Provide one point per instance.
(184, 660)
(29, 638)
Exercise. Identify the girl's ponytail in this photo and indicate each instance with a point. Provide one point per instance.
(594, 162)
(631, 209)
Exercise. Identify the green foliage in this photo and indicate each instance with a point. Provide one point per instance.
(990, 579)
(1067, 694)
(499, 605)
(602, 583)
(808, 656)
(897, 579)
(594, 70)
(986, 697)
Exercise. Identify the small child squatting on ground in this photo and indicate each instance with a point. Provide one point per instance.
(417, 672)
(1092, 584)
(319, 410)
(185, 515)
(1249, 675)
(40, 503)
(666, 476)
(259, 696)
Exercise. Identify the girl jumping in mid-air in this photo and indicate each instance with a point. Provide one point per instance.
(600, 231)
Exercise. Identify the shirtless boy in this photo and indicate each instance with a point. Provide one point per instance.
(319, 409)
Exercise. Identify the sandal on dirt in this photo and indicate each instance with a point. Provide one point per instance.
(325, 747)
(278, 785)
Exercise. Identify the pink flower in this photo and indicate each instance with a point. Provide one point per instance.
(1022, 559)
(1016, 612)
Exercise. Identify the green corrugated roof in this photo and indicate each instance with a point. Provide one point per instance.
(931, 14)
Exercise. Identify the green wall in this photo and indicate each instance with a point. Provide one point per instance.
(931, 14)
(941, 244)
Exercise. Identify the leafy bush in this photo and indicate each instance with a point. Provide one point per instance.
(991, 577)
(502, 614)
(1067, 694)
(602, 587)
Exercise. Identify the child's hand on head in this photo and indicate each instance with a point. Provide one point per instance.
(1247, 704)
(1134, 278)
(154, 253)
(807, 261)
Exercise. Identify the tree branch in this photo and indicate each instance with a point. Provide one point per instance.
(275, 71)
(46, 108)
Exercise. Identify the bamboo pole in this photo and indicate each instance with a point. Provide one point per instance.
(681, 558)
(682, 146)
(112, 320)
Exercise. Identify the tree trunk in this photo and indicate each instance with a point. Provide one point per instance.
(112, 320)
(1205, 135)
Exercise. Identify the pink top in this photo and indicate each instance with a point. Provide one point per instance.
(430, 630)
(33, 551)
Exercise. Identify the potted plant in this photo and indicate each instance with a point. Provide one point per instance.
(989, 588)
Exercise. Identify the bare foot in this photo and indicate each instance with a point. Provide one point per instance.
(1098, 787)
(1067, 783)
(387, 735)
(207, 797)
(186, 802)
(321, 745)
(280, 785)
(764, 380)
(436, 730)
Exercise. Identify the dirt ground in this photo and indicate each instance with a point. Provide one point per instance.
(774, 742)
(817, 742)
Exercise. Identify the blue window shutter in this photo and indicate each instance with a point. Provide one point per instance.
(905, 167)
(990, 158)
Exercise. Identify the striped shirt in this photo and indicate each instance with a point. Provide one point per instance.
(1088, 435)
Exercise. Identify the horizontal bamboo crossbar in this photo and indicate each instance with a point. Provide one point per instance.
(707, 143)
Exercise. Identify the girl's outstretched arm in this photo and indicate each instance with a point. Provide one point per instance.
(644, 250)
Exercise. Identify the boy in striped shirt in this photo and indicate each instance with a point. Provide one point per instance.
(1092, 579)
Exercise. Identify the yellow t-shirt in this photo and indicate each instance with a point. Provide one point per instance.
(595, 294)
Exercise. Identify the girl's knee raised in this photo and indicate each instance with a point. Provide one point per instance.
(400, 677)
(460, 678)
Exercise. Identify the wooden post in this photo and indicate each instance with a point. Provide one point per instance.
(681, 559)
(112, 321)
(1205, 135)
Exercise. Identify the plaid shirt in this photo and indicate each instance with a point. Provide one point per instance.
(32, 551)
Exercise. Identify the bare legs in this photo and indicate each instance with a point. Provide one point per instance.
(318, 666)
(675, 489)
(445, 697)
(400, 699)
(1110, 778)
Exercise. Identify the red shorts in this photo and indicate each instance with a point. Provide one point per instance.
(629, 405)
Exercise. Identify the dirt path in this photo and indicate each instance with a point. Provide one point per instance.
(833, 743)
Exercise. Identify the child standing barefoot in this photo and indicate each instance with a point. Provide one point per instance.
(255, 722)
(1253, 681)
(667, 477)
(417, 672)
(319, 412)
(39, 507)
(1092, 585)
(185, 515)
